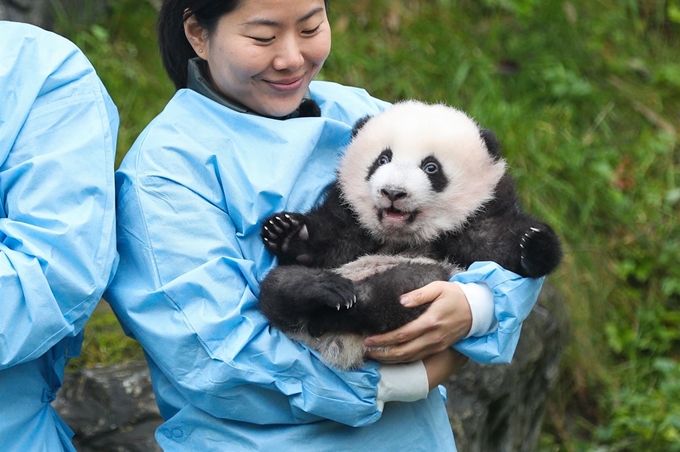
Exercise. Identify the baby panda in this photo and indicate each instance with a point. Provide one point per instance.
(421, 193)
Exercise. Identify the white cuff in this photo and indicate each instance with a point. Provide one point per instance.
(480, 299)
(402, 383)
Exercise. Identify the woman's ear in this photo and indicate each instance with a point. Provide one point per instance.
(196, 36)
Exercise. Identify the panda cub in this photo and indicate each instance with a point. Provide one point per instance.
(421, 193)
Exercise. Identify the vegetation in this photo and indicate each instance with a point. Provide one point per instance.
(585, 97)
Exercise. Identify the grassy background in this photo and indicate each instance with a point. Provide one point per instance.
(585, 98)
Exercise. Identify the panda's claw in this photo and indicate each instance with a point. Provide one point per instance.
(277, 229)
(293, 222)
(269, 244)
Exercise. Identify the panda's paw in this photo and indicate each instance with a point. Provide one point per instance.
(541, 251)
(335, 291)
(281, 231)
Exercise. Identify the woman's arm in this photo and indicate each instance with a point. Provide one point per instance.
(57, 141)
(448, 320)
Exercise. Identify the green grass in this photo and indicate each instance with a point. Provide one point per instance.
(105, 343)
(585, 97)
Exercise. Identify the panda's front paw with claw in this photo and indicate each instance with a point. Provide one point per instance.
(541, 251)
(335, 291)
(339, 295)
(283, 234)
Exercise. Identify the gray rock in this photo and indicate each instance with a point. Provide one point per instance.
(500, 408)
(110, 408)
(36, 12)
(43, 13)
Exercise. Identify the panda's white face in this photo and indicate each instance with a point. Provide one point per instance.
(417, 171)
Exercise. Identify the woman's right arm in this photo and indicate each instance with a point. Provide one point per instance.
(187, 294)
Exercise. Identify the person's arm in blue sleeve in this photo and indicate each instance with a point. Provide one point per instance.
(187, 294)
(57, 243)
(514, 298)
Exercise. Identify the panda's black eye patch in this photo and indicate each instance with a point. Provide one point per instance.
(435, 173)
(384, 158)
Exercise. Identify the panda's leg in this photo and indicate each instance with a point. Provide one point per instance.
(515, 241)
(290, 294)
(541, 251)
(378, 296)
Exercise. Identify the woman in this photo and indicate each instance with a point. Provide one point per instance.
(241, 139)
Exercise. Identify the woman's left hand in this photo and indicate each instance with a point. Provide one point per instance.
(445, 322)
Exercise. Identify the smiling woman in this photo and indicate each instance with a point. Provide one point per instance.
(249, 133)
(265, 61)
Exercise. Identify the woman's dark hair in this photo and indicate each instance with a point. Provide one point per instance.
(173, 44)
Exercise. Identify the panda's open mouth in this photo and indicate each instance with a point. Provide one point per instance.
(395, 217)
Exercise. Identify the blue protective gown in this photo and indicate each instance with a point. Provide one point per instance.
(58, 131)
(191, 195)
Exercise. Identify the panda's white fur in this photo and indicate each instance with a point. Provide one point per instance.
(414, 131)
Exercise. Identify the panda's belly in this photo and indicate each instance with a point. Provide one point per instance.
(371, 264)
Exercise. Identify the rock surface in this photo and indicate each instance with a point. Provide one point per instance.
(44, 13)
(110, 409)
(496, 408)
(36, 12)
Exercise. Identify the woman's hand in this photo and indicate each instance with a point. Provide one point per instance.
(445, 322)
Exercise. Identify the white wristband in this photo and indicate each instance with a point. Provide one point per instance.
(402, 383)
(480, 299)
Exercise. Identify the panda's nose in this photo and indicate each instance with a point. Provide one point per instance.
(393, 194)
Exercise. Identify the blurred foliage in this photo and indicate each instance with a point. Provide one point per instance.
(585, 98)
(105, 343)
(124, 53)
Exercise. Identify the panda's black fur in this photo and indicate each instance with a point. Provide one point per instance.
(422, 192)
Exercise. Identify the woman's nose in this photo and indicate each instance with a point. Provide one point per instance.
(289, 55)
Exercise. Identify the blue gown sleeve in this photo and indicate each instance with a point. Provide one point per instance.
(186, 292)
(57, 142)
(514, 298)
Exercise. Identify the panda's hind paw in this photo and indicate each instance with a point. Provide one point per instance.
(541, 251)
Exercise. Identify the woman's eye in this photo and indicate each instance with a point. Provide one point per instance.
(431, 168)
(263, 40)
(312, 31)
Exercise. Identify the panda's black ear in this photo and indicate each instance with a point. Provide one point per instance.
(359, 124)
(309, 109)
(491, 142)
